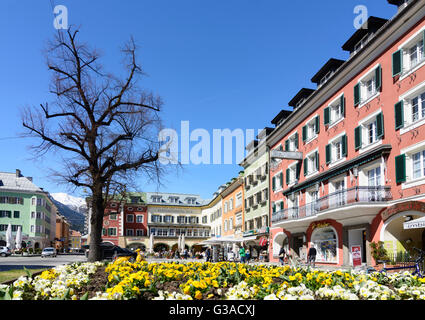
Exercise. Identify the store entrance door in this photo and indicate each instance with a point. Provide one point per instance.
(357, 237)
(298, 245)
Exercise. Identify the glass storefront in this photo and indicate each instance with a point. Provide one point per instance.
(325, 242)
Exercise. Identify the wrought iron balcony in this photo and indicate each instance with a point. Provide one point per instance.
(334, 200)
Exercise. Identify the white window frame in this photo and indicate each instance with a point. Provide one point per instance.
(407, 98)
(291, 140)
(279, 186)
(409, 152)
(333, 142)
(363, 173)
(129, 232)
(292, 173)
(365, 132)
(407, 68)
(140, 217)
(311, 163)
(369, 75)
(311, 129)
(335, 104)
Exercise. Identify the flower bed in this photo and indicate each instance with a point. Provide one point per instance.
(124, 280)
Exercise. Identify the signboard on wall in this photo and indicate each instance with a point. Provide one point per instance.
(356, 253)
(291, 155)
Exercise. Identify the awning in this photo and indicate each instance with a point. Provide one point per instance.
(221, 241)
(415, 224)
(249, 238)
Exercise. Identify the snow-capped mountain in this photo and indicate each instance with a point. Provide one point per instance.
(76, 204)
(74, 209)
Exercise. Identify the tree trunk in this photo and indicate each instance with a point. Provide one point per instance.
(96, 221)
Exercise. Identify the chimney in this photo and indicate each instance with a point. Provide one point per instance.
(18, 173)
(29, 178)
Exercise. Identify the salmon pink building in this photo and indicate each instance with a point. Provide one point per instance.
(125, 221)
(347, 163)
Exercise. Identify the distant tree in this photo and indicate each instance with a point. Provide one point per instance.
(105, 127)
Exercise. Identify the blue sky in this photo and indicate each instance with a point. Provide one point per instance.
(218, 64)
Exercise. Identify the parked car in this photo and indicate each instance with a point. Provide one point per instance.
(111, 252)
(48, 252)
(5, 251)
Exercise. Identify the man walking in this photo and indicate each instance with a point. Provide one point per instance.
(208, 254)
(311, 256)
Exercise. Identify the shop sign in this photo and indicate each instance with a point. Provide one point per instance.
(356, 253)
(402, 207)
(320, 225)
(248, 233)
(290, 155)
(256, 231)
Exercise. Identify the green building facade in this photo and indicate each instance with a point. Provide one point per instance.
(24, 204)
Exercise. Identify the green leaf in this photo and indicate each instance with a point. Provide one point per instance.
(66, 295)
(85, 296)
(29, 274)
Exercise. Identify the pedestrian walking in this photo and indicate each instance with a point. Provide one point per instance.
(282, 255)
(208, 254)
(311, 256)
(247, 255)
(242, 254)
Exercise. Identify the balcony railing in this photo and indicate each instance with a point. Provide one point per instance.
(335, 200)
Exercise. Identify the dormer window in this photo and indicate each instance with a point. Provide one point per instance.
(191, 200)
(135, 199)
(156, 199)
(299, 103)
(362, 43)
(325, 78)
(174, 199)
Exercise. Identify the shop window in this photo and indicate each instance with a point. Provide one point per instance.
(326, 244)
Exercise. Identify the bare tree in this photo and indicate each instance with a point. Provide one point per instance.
(105, 127)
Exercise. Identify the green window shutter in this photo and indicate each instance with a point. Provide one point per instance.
(357, 138)
(281, 206)
(317, 124)
(328, 153)
(344, 145)
(274, 207)
(399, 115)
(400, 168)
(326, 116)
(357, 94)
(342, 105)
(287, 176)
(297, 170)
(286, 145)
(397, 63)
(296, 140)
(379, 126)
(305, 166)
(281, 179)
(378, 78)
(304, 133)
(317, 161)
(274, 183)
